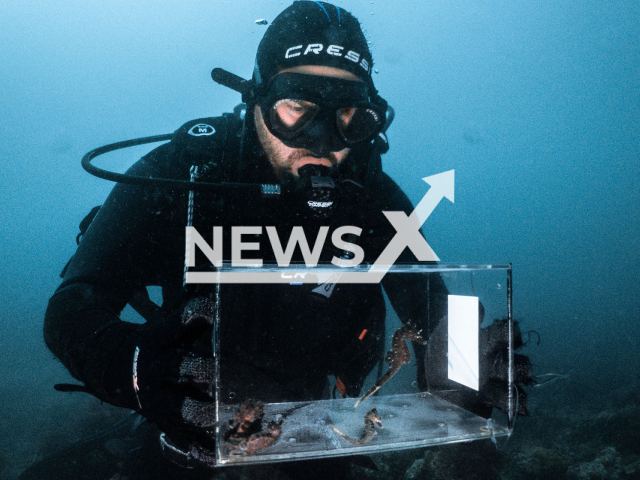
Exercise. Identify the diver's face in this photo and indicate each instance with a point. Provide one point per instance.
(285, 159)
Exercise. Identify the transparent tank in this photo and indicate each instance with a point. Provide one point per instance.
(423, 400)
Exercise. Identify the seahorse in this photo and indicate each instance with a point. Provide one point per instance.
(398, 356)
(370, 420)
(259, 441)
(246, 418)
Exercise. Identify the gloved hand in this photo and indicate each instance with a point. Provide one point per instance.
(494, 369)
(173, 377)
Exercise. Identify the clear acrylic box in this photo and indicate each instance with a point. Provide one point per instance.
(412, 413)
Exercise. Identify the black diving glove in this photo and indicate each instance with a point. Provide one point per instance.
(494, 371)
(494, 367)
(172, 378)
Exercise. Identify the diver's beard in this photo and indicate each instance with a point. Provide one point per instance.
(285, 164)
(300, 154)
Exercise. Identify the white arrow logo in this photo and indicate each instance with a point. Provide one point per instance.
(407, 228)
(407, 236)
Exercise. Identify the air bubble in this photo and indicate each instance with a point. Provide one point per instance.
(414, 384)
(232, 395)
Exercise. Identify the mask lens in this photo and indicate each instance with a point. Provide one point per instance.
(357, 124)
(289, 115)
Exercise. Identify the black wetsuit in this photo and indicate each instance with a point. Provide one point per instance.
(289, 333)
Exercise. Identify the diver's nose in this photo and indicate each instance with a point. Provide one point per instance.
(319, 149)
(322, 140)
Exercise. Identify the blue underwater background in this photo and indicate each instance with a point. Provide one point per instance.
(535, 104)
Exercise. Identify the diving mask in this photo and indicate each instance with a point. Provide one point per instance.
(320, 113)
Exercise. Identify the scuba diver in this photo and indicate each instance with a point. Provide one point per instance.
(312, 122)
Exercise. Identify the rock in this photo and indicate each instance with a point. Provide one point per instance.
(607, 465)
(540, 462)
(416, 470)
(588, 471)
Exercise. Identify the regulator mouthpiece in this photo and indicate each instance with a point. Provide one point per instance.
(314, 192)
